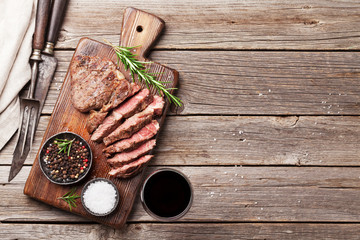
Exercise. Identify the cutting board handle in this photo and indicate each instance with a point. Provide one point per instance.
(141, 29)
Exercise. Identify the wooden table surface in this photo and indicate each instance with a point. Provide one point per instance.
(269, 135)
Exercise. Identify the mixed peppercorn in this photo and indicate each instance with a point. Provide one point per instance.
(66, 160)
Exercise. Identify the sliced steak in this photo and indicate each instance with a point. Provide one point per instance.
(132, 168)
(97, 117)
(136, 122)
(121, 159)
(135, 104)
(134, 141)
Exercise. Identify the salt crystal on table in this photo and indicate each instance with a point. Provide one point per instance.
(100, 197)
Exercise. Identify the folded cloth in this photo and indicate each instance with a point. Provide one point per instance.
(17, 24)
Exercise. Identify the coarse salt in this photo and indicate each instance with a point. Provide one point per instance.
(100, 197)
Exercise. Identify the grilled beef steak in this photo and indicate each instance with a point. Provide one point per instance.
(135, 104)
(123, 158)
(134, 141)
(136, 122)
(132, 168)
(99, 87)
(96, 82)
(97, 117)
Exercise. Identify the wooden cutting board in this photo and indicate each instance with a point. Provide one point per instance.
(139, 28)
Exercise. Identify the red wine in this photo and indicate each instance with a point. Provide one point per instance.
(167, 194)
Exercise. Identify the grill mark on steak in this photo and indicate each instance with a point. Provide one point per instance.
(132, 106)
(136, 122)
(124, 158)
(132, 168)
(134, 141)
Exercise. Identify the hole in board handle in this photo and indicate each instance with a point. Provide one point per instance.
(139, 28)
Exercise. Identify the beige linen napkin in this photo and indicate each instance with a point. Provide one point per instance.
(17, 24)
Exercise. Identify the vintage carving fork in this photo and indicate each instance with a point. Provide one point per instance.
(29, 106)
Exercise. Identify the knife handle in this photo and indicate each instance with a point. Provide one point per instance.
(141, 29)
(57, 16)
(42, 15)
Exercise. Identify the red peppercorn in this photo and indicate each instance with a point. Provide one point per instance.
(83, 146)
(85, 165)
(47, 151)
(81, 168)
(85, 160)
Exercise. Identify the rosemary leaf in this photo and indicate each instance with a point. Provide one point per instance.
(70, 198)
(64, 145)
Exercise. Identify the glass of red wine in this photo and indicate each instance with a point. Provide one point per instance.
(166, 194)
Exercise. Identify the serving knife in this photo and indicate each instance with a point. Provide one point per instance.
(29, 106)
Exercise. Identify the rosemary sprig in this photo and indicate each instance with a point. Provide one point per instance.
(137, 67)
(64, 145)
(70, 198)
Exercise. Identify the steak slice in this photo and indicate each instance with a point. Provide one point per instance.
(96, 82)
(135, 104)
(96, 118)
(136, 122)
(132, 168)
(144, 134)
(123, 158)
(158, 105)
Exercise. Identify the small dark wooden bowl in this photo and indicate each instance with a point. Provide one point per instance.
(70, 135)
(96, 180)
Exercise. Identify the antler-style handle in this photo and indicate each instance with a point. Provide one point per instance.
(57, 16)
(140, 29)
(42, 15)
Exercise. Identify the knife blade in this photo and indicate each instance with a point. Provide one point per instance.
(48, 66)
(30, 106)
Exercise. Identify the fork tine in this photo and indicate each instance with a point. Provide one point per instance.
(26, 129)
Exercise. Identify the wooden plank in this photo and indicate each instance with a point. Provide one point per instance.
(241, 140)
(256, 83)
(155, 231)
(229, 24)
(229, 194)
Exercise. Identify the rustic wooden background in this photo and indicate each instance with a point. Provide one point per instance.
(269, 135)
